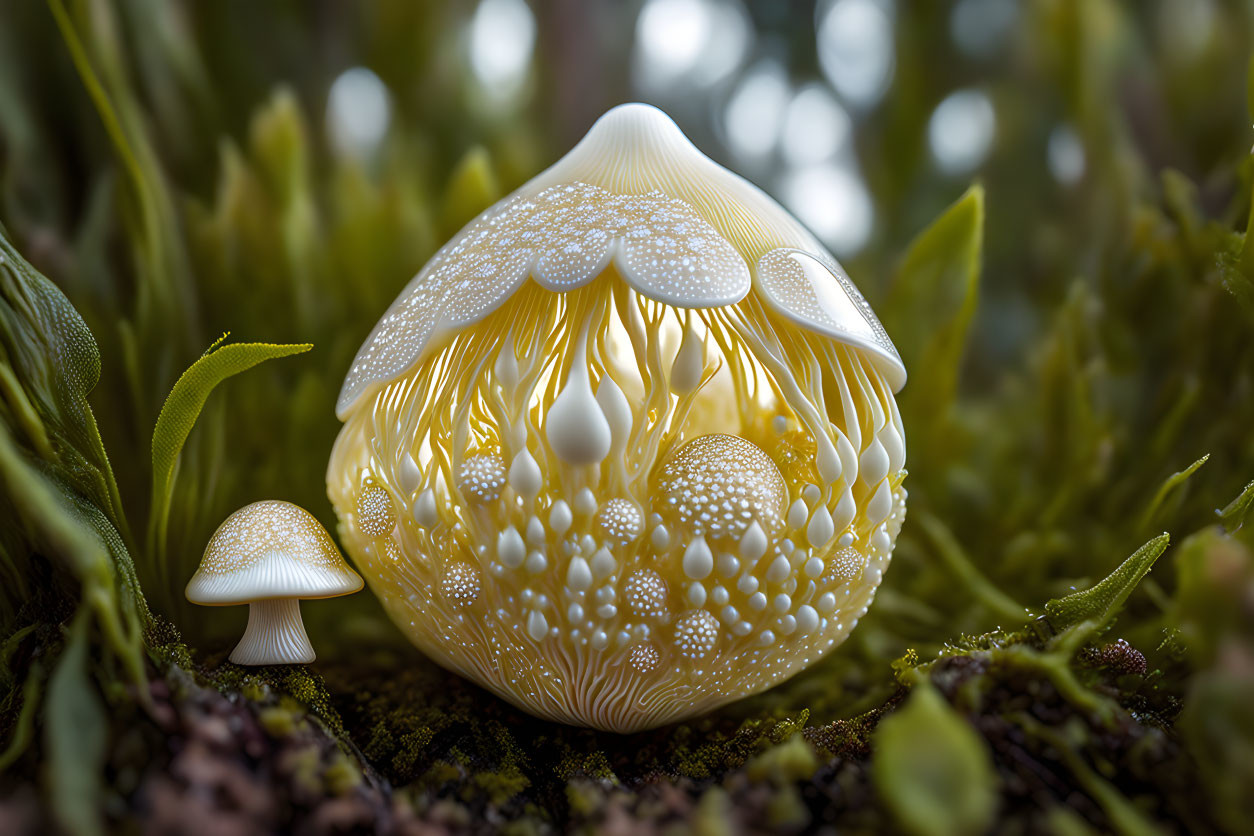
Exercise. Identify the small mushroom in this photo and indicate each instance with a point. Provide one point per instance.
(270, 555)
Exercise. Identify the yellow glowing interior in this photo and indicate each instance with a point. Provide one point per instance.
(563, 577)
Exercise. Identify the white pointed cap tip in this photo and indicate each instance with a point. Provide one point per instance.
(636, 127)
(270, 549)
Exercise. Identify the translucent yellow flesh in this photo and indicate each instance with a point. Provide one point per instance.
(554, 538)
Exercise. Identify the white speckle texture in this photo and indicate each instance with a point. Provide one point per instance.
(483, 476)
(696, 633)
(720, 484)
(563, 237)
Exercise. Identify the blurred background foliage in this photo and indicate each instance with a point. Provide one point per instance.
(1077, 325)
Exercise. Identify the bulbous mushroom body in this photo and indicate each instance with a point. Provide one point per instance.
(636, 434)
(270, 555)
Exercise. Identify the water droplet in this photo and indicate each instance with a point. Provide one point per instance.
(425, 511)
(560, 518)
(537, 626)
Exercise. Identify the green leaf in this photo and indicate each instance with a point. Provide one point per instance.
(1236, 512)
(75, 734)
(471, 188)
(1217, 727)
(931, 305)
(24, 726)
(1172, 482)
(48, 364)
(54, 523)
(932, 770)
(1101, 602)
(165, 308)
(179, 415)
(58, 496)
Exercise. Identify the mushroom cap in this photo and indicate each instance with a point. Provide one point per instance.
(676, 226)
(270, 549)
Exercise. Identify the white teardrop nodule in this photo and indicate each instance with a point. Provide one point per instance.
(506, 366)
(524, 475)
(575, 427)
(425, 512)
(410, 474)
(689, 363)
(510, 549)
(617, 412)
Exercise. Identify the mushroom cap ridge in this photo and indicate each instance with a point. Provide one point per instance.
(637, 156)
(270, 549)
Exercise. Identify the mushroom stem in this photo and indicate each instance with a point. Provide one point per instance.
(275, 635)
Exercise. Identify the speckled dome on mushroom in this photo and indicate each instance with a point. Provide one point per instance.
(626, 448)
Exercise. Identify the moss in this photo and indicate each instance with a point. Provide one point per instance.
(500, 787)
(783, 763)
(304, 764)
(342, 775)
(278, 721)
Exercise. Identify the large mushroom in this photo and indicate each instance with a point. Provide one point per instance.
(270, 555)
(627, 447)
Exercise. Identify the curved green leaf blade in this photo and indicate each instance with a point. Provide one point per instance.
(50, 364)
(75, 733)
(1101, 602)
(931, 305)
(179, 415)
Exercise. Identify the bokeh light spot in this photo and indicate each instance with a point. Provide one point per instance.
(816, 127)
(833, 202)
(755, 111)
(960, 132)
(502, 39)
(856, 49)
(1066, 155)
(689, 44)
(359, 111)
